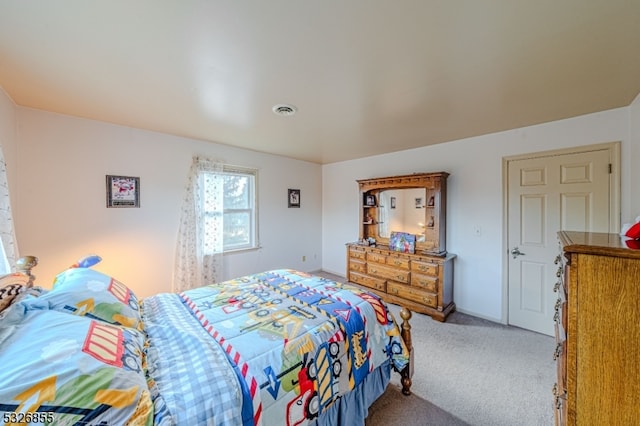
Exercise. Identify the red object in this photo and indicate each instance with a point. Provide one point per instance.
(634, 231)
(633, 244)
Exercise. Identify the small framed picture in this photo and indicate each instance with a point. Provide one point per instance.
(418, 203)
(123, 191)
(393, 202)
(294, 198)
(369, 200)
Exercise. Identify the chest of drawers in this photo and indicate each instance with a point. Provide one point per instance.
(597, 323)
(422, 283)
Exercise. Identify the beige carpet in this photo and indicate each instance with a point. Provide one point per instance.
(470, 371)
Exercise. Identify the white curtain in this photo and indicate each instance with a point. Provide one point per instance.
(8, 246)
(200, 235)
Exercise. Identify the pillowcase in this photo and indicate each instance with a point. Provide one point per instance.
(74, 369)
(90, 293)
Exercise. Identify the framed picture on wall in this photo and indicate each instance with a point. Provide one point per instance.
(294, 198)
(123, 191)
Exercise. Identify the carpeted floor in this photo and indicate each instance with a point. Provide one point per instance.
(470, 371)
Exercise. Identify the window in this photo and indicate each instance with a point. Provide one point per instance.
(238, 213)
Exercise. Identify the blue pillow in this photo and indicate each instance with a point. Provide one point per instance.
(74, 370)
(86, 292)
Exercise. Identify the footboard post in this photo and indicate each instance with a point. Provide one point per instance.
(407, 373)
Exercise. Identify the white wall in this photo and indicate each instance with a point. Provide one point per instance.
(60, 214)
(474, 196)
(633, 155)
(56, 174)
(9, 139)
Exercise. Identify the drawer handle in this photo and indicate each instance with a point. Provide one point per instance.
(558, 403)
(401, 278)
(557, 352)
(397, 262)
(394, 290)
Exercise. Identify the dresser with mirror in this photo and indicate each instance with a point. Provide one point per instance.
(401, 252)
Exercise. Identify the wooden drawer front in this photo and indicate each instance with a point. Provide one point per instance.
(356, 253)
(425, 268)
(388, 272)
(376, 257)
(398, 262)
(371, 282)
(425, 282)
(413, 293)
(357, 266)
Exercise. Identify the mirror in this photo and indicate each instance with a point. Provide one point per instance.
(402, 210)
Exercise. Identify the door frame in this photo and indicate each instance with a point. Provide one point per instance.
(614, 200)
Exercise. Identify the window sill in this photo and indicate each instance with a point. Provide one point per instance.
(241, 250)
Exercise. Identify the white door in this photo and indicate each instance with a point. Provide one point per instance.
(552, 192)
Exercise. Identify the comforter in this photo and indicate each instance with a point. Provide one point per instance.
(278, 347)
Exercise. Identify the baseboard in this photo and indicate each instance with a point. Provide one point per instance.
(317, 271)
(477, 315)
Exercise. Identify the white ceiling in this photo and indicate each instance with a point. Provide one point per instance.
(368, 76)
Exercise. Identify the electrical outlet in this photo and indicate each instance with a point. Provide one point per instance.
(304, 258)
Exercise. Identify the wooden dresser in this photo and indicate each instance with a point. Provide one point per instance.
(597, 331)
(419, 282)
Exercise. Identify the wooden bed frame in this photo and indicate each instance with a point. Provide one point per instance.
(27, 263)
(405, 331)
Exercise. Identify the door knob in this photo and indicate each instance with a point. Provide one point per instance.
(515, 252)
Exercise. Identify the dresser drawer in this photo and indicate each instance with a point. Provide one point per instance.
(388, 272)
(398, 261)
(356, 265)
(427, 268)
(371, 282)
(414, 294)
(376, 257)
(356, 253)
(425, 282)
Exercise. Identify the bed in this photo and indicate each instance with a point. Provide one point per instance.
(280, 347)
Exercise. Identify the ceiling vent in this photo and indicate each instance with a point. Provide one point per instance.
(284, 109)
